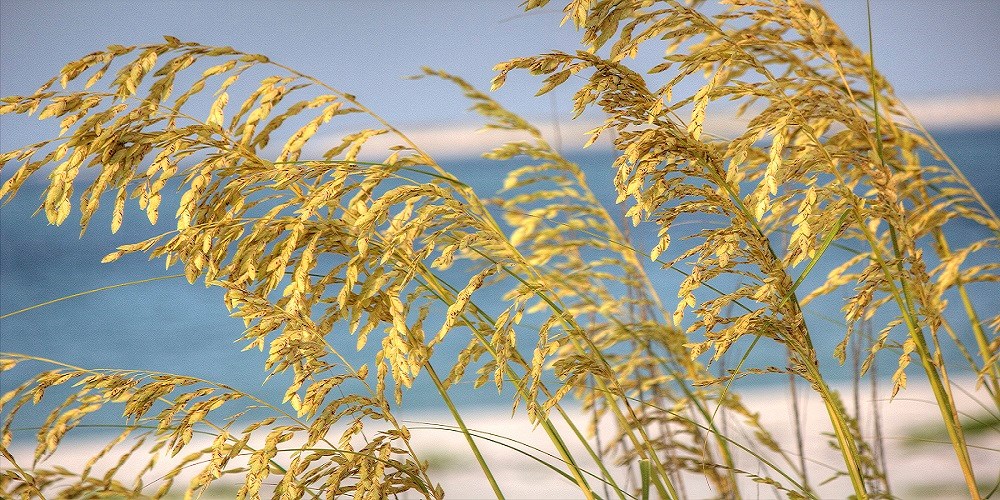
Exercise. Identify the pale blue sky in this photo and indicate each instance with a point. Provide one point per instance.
(928, 49)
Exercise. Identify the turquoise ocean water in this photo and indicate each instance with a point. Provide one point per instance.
(176, 327)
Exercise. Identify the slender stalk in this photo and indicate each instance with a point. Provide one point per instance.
(807, 354)
(27, 478)
(642, 443)
(797, 421)
(596, 422)
(505, 442)
(434, 284)
(443, 391)
(88, 292)
(745, 448)
(990, 365)
(848, 447)
(946, 403)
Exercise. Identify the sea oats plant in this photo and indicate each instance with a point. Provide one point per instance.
(400, 252)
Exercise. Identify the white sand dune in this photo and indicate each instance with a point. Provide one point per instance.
(452, 464)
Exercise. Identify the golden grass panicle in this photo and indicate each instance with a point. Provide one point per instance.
(316, 243)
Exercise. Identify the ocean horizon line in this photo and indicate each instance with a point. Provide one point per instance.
(468, 138)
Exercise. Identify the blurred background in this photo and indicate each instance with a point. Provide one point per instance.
(942, 58)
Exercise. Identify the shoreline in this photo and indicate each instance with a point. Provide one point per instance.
(929, 468)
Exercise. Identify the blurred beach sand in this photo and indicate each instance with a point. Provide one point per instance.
(926, 470)
(916, 470)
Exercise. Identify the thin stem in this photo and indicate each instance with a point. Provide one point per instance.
(946, 403)
(465, 430)
(797, 421)
(88, 292)
(437, 286)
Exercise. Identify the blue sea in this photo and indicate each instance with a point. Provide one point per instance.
(176, 327)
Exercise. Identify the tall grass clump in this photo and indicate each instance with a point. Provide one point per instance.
(387, 247)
